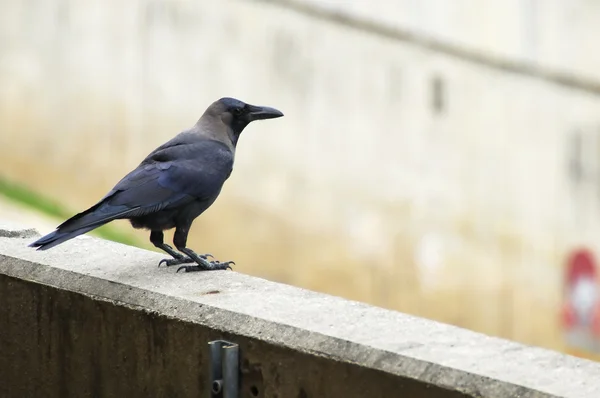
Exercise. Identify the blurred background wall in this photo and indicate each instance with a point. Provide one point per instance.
(437, 157)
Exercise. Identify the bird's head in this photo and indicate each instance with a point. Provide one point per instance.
(236, 115)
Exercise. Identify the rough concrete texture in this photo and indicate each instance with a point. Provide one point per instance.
(96, 318)
(11, 230)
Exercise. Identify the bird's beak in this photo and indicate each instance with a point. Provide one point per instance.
(263, 112)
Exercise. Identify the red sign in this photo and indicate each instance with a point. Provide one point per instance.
(580, 314)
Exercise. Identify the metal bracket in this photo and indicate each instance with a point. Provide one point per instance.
(224, 369)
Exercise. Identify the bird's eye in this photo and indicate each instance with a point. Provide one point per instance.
(237, 111)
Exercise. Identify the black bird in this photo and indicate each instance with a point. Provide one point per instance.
(173, 185)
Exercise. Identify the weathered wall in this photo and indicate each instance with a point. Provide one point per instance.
(78, 346)
(112, 324)
(553, 34)
(459, 208)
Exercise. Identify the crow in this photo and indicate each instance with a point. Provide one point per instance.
(173, 185)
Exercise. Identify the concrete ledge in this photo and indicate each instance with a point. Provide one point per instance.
(8, 230)
(96, 318)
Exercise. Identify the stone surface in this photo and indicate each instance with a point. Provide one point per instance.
(12, 230)
(89, 306)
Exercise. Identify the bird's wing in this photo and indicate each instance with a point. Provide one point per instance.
(168, 178)
(174, 175)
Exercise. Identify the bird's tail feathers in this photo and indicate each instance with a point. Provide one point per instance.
(81, 223)
(57, 237)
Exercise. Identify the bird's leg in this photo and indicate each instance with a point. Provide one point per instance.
(180, 240)
(157, 239)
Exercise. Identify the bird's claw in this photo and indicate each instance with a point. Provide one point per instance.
(213, 266)
(174, 261)
(163, 261)
(226, 264)
(183, 260)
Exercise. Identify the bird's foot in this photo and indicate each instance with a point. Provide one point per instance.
(182, 260)
(207, 266)
(202, 264)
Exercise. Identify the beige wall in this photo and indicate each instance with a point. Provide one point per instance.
(551, 33)
(362, 190)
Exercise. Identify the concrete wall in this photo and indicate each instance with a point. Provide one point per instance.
(553, 34)
(100, 319)
(458, 206)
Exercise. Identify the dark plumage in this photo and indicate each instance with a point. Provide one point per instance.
(173, 185)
